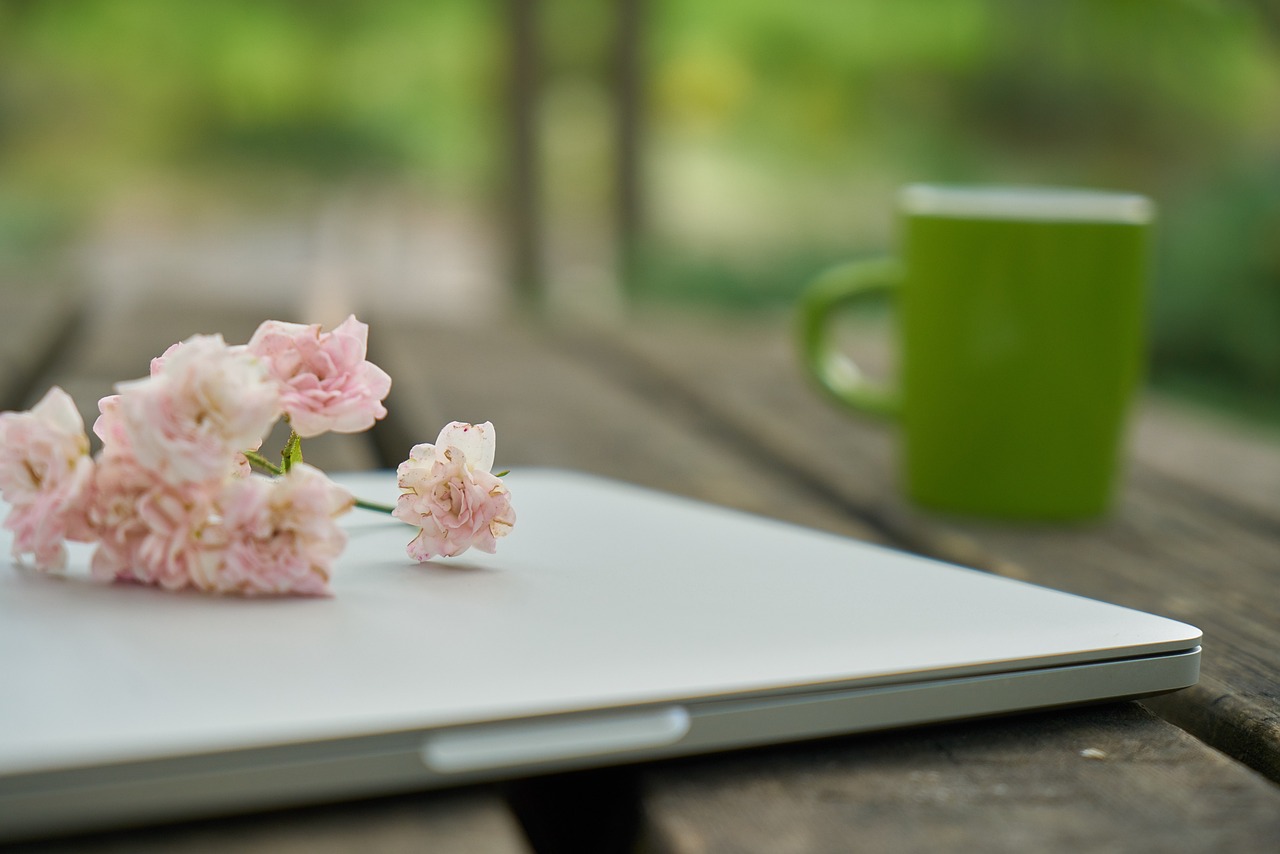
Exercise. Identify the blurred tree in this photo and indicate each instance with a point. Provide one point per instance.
(776, 132)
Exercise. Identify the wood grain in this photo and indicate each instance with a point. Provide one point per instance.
(1107, 779)
(551, 409)
(564, 398)
(721, 413)
(1182, 541)
(35, 323)
(450, 823)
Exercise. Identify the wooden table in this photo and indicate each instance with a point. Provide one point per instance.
(719, 411)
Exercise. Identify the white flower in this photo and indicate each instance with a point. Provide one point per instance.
(450, 494)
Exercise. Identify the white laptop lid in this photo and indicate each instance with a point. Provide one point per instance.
(604, 597)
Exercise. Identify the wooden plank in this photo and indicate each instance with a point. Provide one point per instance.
(447, 822)
(1203, 553)
(1221, 459)
(1111, 778)
(562, 400)
(551, 410)
(35, 322)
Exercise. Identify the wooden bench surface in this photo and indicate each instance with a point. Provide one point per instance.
(35, 323)
(1192, 536)
(735, 393)
(720, 412)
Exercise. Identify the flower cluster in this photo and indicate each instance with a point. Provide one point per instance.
(172, 499)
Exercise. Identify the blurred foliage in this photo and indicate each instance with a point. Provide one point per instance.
(777, 131)
(96, 94)
(813, 114)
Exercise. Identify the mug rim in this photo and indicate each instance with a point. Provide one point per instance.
(1019, 202)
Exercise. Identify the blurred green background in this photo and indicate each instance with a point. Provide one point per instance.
(775, 134)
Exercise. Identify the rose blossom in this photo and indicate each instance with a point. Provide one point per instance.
(157, 364)
(205, 403)
(43, 448)
(109, 427)
(44, 467)
(275, 535)
(449, 493)
(148, 530)
(326, 383)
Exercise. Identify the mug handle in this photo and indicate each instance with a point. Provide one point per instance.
(821, 300)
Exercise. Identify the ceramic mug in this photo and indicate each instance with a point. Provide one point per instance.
(1020, 333)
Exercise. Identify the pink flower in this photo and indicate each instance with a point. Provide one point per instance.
(326, 383)
(109, 427)
(250, 535)
(203, 406)
(119, 486)
(43, 448)
(275, 536)
(449, 493)
(169, 501)
(148, 530)
(157, 364)
(44, 468)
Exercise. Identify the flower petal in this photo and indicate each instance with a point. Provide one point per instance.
(476, 441)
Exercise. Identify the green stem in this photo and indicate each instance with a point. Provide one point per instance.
(292, 453)
(262, 462)
(374, 506)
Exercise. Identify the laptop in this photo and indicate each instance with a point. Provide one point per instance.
(614, 625)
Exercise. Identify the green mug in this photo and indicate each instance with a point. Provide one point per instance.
(1020, 332)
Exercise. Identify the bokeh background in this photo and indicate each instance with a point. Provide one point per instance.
(326, 149)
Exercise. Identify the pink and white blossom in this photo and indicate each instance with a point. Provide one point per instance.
(44, 469)
(44, 448)
(449, 493)
(275, 536)
(170, 500)
(148, 530)
(204, 405)
(326, 384)
(157, 364)
(111, 512)
(109, 427)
